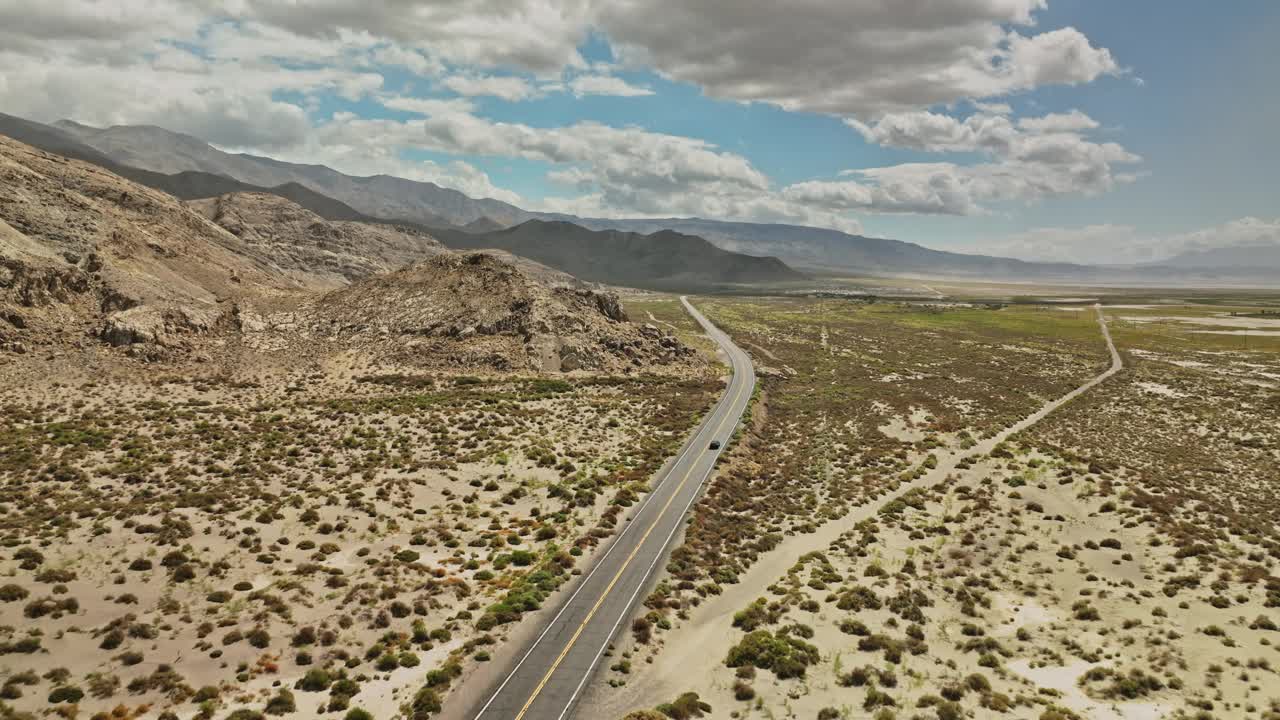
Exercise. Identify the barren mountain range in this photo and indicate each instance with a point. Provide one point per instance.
(756, 252)
(91, 261)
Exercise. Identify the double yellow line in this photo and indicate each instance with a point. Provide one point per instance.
(625, 564)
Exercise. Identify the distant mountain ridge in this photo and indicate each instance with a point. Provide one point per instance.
(398, 199)
(824, 249)
(382, 196)
(391, 199)
(567, 253)
(1226, 258)
(664, 260)
(185, 185)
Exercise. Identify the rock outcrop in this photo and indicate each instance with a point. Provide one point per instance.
(89, 258)
(479, 309)
(309, 248)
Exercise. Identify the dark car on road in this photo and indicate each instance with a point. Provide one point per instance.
(715, 444)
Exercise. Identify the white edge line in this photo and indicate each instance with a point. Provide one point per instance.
(617, 541)
(643, 582)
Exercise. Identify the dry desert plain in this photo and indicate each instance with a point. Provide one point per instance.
(933, 510)
(912, 526)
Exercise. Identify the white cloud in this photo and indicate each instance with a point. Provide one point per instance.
(541, 36)
(253, 74)
(627, 156)
(226, 103)
(428, 106)
(1074, 121)
(614, 172)
(852, 57)
(1032, 159)
(935, 132)
(605, 85)
(505, 87)
(1125, 244)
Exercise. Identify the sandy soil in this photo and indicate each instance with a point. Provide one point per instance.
(698, 649)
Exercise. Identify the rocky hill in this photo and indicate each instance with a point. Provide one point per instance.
(94, 262)
(86, 252)
(475, 310)
(309, 248)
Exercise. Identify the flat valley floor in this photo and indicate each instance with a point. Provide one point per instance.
(934, 509)
(914, 527)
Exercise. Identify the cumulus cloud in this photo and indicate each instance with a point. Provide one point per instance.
(1125, 244)
(615, 156)
(252, 74)
(605, 85)
(852, 57)
(614, 172)
(541, 36)
(223, 103)
(506, 87)
(1031, 159)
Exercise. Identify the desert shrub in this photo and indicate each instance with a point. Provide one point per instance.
(876, 698)
(786, 657)
(66, 694)
(1262, 622)
(52, 576)
(103, 685)
(949, 711)
(755, 615)
(112, 640)
(1122, 686)
(259, 638)
(13, 593)
(281, 704)
(858, 598)
(206, 693)
(316, 680)
(685, 707)
(425, 702)
(130, 658)
(642, 629)
(854, 627)
(304, 636)
(978, 682)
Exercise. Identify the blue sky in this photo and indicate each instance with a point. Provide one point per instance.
(1047, 129)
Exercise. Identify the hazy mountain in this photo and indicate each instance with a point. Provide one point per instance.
(1245, 257)
(186, 185)
(665, 260)
(383, 196)
(199, 170)
(823, 249)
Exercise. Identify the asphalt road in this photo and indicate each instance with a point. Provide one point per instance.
(555, 667)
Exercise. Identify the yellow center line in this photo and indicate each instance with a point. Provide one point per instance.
(625, 564)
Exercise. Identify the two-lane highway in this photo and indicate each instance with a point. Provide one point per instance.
(554, 669)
